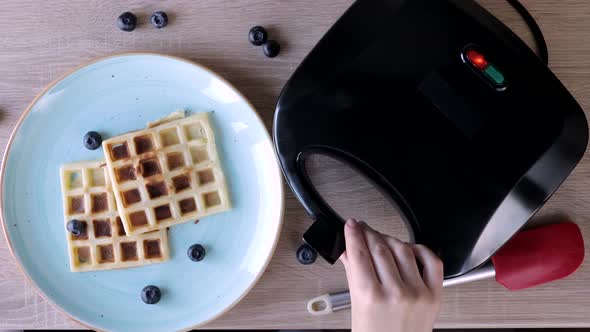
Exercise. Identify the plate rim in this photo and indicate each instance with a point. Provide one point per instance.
(85, 64)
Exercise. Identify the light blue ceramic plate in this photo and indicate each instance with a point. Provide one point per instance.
(113, 96)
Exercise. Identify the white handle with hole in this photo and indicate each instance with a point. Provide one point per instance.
(329, 303)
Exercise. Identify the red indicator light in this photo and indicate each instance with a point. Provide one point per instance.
(477, 59)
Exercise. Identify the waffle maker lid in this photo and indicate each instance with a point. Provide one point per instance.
(445, 109)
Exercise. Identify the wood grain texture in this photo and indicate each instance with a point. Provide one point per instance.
(43, 39)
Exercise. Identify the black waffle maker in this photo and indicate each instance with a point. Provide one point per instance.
(445, 109)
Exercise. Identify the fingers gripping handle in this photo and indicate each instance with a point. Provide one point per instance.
(326, 235)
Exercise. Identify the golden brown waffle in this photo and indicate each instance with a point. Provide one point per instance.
(166, 174)
(88, 197)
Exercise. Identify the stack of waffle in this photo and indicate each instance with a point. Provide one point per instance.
(164, 175)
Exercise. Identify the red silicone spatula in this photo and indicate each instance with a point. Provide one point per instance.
(530, 258)
(539, 255)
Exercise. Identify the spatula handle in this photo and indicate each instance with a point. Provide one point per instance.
(332, 302)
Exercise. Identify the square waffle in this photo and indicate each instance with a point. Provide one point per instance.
(166, 174)
(88, 197)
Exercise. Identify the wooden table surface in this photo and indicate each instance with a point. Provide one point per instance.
(41, 40)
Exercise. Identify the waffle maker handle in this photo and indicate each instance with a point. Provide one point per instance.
(326, 234)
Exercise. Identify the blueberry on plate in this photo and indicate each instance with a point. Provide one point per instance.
(159, 19)
(151, 294)
(306, 255)
(127, 21)
(196, 252)
(257, 35)
(92, 140)
(271, 48)
(75, 227)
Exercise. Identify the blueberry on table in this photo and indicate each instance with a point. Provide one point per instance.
(196, 252)
(127, 21)
(159, 19)
(75, 227)
(92, 140)
(306, 255)
(151, 294)
(271, 48)
(257, 35)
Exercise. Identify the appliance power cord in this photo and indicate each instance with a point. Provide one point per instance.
(543, 54)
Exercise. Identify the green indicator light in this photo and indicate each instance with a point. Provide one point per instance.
(492, 73)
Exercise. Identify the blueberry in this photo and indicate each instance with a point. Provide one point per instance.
(127, 21)
(75, 227)
(196, 252)
(151, 294)
(257, 35)
(271, 48)
(159, 19)
(306, 255)
(92, 140)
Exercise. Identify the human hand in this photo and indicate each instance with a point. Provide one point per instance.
(388, 294)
